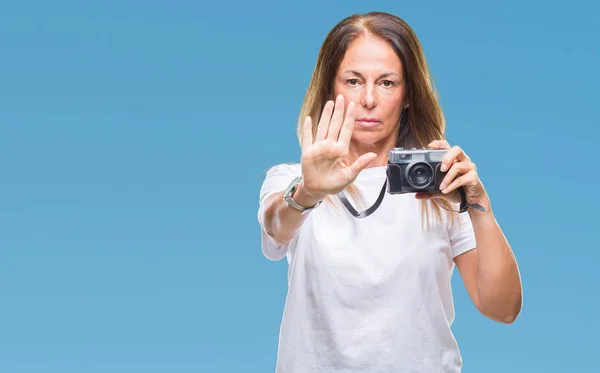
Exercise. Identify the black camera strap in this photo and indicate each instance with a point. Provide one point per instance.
(370, 210)
(464, 206)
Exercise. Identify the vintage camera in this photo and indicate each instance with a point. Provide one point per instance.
(414, 170)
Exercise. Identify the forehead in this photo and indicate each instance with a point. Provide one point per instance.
(371, 54)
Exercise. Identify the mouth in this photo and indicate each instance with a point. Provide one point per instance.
(367, 122)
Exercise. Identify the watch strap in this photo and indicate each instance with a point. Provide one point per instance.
(288, 197)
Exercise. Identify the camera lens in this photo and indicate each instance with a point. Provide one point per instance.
(420, 175)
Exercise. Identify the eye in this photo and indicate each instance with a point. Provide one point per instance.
(352, 81)
(387, 83)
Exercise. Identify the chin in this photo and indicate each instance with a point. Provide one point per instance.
(371, 138)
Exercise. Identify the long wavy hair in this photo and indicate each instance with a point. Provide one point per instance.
(422, 122)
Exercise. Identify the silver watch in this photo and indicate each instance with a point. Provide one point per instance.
(289, 192)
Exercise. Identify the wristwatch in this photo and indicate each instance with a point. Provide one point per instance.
(289, 192)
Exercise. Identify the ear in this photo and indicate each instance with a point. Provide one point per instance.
(406, 101)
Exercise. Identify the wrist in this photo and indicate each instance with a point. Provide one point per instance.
(482, 215)
(305, 198)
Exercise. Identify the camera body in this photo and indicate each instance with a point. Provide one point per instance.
(414, 170)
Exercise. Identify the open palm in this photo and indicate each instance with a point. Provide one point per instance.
(324, 166)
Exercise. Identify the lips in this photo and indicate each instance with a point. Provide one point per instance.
(367, 122)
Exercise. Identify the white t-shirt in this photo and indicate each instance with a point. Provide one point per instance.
(367, 295)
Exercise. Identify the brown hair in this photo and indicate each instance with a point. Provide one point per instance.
(422, 122)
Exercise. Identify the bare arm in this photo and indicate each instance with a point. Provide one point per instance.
(490, 272)
(281, 221)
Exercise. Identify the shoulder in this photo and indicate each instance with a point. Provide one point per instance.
(278, 177)
(284, 170)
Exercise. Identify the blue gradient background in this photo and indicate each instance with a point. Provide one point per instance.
(134, 137)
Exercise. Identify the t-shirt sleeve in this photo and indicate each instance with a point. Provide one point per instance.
(277, 179)
(462, 236)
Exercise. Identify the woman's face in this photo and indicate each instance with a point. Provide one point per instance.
(371, 75)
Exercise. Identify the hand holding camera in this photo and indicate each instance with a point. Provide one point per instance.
(324, 168)
(437, 171)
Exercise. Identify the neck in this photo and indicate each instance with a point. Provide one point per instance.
(381, 148)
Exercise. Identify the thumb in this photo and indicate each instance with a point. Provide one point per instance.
(362, 162)
(428, 195)
(424, 195)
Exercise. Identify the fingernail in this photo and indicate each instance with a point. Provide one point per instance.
(442, 186)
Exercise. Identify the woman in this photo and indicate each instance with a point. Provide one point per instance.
(374, 294)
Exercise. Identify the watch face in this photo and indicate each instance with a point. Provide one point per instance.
(292, 187)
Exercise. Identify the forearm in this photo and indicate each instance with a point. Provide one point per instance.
(498, 279)
(281, 221)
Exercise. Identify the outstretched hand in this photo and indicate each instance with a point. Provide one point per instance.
(324, 167)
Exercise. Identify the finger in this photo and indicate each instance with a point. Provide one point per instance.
(428, 195)
(307, 136)
(456, 169)
(324, 121)
(336, 119)
(453, 155)
(348, 126)
(463, 180)
(362, 162)
(439, 144)
(424, 195)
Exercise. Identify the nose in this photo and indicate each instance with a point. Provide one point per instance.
(368, 99)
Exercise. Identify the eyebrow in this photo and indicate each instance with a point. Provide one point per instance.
(380, 76)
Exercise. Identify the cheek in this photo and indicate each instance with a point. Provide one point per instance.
(349, 93)
(392, 106)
